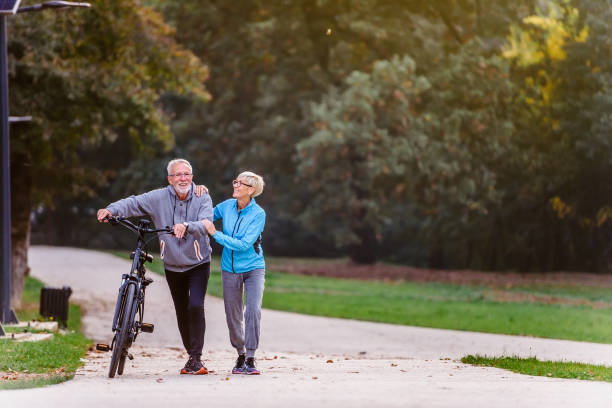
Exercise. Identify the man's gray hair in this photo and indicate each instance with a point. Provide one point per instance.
(254, 180)
(177, 161)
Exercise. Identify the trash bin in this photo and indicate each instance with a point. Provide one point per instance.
(54, 303)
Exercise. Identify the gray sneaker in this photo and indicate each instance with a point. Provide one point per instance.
(239, 367)
(249, 367)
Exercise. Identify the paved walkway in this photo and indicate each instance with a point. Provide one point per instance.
(306, 360)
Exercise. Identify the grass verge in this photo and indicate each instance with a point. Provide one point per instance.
(535, 367)
(432, 304)
(35, 364)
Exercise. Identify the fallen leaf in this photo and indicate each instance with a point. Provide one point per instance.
(315, 378)
(330, 361)
(160, 380)
(393, 365)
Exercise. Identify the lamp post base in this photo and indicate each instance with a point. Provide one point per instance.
(10, 317)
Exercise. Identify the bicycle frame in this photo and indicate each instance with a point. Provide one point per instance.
(130, 302)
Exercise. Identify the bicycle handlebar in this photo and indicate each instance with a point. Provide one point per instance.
(137, 228)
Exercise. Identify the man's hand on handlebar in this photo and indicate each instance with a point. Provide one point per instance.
(103, 215)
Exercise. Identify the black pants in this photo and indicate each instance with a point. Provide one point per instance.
(188, 290)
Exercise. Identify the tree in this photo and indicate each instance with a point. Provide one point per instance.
(479, 170)
(558, 193)
(361, 137)
(90, 79)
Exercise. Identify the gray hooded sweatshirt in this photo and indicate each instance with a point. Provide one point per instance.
(165, 209)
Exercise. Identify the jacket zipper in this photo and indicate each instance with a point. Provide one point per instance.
(237, 224)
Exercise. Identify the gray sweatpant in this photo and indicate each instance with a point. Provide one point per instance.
(243, 324)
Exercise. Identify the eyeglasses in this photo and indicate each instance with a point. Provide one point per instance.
(238, 183)
(180, 175)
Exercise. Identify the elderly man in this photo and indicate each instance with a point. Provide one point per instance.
(186, 255)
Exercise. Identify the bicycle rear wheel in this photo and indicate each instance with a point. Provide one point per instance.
(122, 334)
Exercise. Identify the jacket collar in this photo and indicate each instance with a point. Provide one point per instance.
(251, 204)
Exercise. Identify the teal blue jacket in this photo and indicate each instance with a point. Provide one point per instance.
(241, 236)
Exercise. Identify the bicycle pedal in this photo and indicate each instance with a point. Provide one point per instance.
(130, 356)
(147, 327)
(102, 347)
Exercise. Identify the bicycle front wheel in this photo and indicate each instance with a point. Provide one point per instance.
(122, 334)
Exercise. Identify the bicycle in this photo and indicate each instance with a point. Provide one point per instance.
(129, 311)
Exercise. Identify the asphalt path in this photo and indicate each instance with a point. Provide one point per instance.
(305, 360)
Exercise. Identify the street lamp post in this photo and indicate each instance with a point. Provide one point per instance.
(7, 315)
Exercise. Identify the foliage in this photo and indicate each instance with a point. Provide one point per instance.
(500, 161)
(92, 80)
(562, 102)
(365, 136)
(91, 77)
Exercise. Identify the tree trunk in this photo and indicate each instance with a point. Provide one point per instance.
(21, 204)
(365, 251)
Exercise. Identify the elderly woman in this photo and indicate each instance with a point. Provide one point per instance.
(242, 266)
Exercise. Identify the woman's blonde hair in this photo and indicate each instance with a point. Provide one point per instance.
(254, 180)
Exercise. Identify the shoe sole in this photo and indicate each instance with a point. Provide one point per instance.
(237, 371)
(252, 373)
(201, 371)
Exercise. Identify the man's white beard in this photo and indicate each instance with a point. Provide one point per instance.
(182, 190)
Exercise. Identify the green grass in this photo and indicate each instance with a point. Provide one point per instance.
(432, 305)
(565, 291)
(438, 305)
(532, 366)
(56, 359)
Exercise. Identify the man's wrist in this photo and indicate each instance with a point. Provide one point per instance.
(186, 224)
